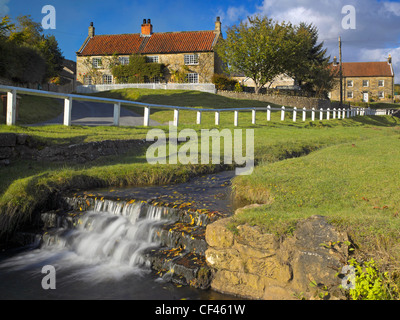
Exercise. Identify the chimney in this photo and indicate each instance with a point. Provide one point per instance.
(218, 26)
(390, 59)
(147, 28)
(335, 61)
(91, 30)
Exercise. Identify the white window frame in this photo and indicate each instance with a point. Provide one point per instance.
(379, 83)
(350, 83)
(193, 78)
(350, 95)
(87, 80)
(123, 60)
(152, 59)
(107, 79)
(366, 86)
(191, 59)
(381, 94)
(97, 63)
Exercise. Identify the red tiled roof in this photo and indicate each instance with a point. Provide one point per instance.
(171, 42)
(365, 69)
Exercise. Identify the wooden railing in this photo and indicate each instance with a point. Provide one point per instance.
(321, 114)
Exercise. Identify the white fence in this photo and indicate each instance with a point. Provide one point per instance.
(204, 87)
(321, 114)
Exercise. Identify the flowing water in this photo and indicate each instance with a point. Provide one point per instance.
(97, 255)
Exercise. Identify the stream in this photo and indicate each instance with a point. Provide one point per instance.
(98, 254)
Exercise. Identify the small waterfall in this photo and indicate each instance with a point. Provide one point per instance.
(112, 233)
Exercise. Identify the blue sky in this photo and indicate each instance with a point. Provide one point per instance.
(376, 35)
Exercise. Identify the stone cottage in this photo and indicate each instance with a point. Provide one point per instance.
(190, 53)
(365, 81)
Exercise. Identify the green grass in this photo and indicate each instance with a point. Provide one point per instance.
(344, 169)
(356, 185)
(34, 109)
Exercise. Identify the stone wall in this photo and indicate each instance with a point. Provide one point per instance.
(282, 100)
(256, 265)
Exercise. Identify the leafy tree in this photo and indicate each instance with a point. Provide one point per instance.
(311, 68)
(260, 48)
(28, 33)
(5, 26)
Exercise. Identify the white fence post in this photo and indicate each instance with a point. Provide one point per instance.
(348, 113)
(304, 114)
(67, 111)
(344, 114)
(269, 113)
(217, 118)
(339, 113)
(11, 107)
(253, 116)
(328, 114)
(334, 113)
(313, 114)
(283, 114)
(294, 114)
(176, 117)
(117, 113)
(146, 120)
(321, 114)
(198, 120)
(236, 118)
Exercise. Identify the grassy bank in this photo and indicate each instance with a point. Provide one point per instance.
(355, 184)
(348, 169)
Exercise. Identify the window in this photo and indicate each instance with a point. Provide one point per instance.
(191, 59)
(152, 59)
(97, 63)
(107, 79)
(381, 95)
(350, 83)
(365, 83)
(381, 83)
(193, 77)
(123, 60)
(350, 94)
(87, 80)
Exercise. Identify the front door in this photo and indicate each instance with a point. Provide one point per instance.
(365, 96)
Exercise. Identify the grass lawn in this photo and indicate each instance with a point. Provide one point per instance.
(34, 109)
(348, 170)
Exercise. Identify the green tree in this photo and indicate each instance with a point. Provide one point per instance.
(5, 26)
(28, 33)
(311, 68)
(260, 48)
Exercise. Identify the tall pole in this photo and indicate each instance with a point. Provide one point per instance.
(340, 71)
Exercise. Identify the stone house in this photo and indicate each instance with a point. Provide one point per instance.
(364, 81)
(282, 81)
(190, 53)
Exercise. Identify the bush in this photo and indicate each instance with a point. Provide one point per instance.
(21, 64)
(138, 70)
(222, 82)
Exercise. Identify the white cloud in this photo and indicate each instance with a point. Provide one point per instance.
(377, 30)
(4, 10)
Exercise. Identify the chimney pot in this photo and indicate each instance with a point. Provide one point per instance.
(91, 30)
(147, 28)
(218, 26)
